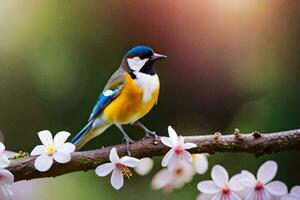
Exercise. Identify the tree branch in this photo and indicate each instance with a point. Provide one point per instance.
(255, 143)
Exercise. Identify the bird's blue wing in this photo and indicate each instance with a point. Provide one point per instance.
(111, 91)
(104, 99)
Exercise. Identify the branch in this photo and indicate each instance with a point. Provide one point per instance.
(255, 143)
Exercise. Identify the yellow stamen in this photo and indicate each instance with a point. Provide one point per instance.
(126, 172)
(51, 149)
(194, 157)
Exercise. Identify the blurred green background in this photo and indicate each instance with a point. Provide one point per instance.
(230, 64)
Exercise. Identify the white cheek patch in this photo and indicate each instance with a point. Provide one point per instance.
(136, 63)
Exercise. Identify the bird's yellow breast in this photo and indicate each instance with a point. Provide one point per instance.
(131, 105)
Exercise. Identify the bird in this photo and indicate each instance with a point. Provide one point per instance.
(128, 96)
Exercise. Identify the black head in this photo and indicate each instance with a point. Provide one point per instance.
(141, 59)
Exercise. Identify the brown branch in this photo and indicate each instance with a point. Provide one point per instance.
(255, 143)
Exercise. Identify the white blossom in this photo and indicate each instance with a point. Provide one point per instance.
(6, 177)
(169, 179)
(4, 162)
(177, 151)
(6, 181)
(200, 163)
(203, 196)
(144, 167)
(118, 167)
(57, 149)
(220, 188)
(293, 195)
(261, 187)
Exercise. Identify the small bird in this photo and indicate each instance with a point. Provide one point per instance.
(129, 95)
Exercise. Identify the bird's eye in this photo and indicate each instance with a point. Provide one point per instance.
(136, 63)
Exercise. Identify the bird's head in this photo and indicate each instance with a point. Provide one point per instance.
(141, 59)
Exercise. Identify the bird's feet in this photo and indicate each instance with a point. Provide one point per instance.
(151, 134)
(148, 133)
(126, 138)
(128, 141)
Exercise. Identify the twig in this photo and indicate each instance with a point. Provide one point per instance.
(256, 143)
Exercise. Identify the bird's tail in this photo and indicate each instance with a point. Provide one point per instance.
(89, 132)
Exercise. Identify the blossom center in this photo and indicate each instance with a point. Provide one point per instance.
(259, 186)
(225, 189)
(178, 171)
(118, 164)
(178, 150)
(124, 170)
(51, 149)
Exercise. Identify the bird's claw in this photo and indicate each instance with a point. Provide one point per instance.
(151, 134)
(128, 141)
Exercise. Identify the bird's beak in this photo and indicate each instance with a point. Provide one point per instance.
(157, 56)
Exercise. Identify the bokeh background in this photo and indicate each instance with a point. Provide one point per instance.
(231, 64)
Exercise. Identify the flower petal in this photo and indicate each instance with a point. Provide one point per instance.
(166, 141)
(2, 147)
(45, 137)
(38, 150)
(233, 196)
(200, 163)
(243, 193)
(113, 155)
(173, 136)
(174, 162)
(43, 163)
(203, 196)
(251, 195)
(60, 138)
(6, 177)
(67, 148)
(289, 197)
(105, 169)
(235, 183)
(4, 162)
(180, 141)
(247, 179)
(267, 172)
(144, 167)
(218, 197)
(166, 159)
(264, 195)
(186, 156)
(296, 191)
(116, 179)
(62, 157)
(129, 161)
(185, 175)
(277, 188)
(161, 179)
(189, 145)
(6, 191)
(219, 175)
(208, 187)
(10, 154)
(258, 195)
